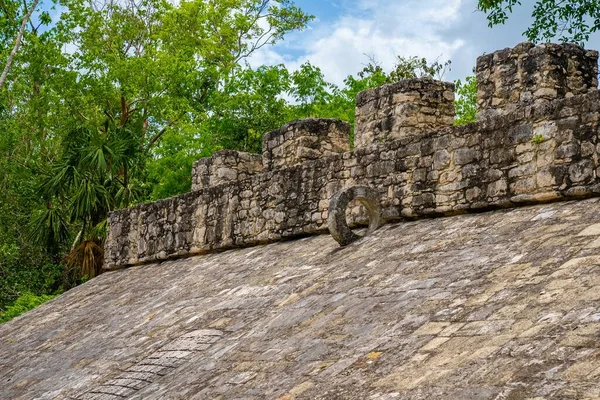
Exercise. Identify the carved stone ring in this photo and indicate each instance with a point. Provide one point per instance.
(336, 221)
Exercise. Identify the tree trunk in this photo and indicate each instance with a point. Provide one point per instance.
(18, 41)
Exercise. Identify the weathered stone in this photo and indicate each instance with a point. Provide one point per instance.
(441, 159)
(544, 152)
(496, 305)
(528, 74)
(502, 304)
(304, 140)
(336, 221)
(225, 166)
(465, 156)
(402, 109)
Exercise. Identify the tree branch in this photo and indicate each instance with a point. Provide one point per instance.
(18, 41)
(26, 11)
(161, 132)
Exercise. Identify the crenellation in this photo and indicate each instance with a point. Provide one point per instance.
(224, 166)
(522, 152)
(403, 109)
(302, 140)
(526, 74)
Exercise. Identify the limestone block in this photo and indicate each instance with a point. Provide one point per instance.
(303, 140)
(224, 166)
(406, 108)
(528, 74)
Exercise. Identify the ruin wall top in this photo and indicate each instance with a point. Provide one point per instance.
(536, 140)
(527, 74)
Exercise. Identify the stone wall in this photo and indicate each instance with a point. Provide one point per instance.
(305, 140)
(224, 166)
(528, 74)
(537, 152)
(402, 109)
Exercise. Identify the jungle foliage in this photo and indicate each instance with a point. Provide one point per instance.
(563, 20)
(106, 104)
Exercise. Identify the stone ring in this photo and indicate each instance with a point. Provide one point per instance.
(336, 221)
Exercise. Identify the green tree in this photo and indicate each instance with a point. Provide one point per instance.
(24, 265)
(466, 101)
(406, 68)
(14, 19)
(249, 104)
(567, 20)
(168, 67)
(100, 171)
(91, 122)
(24, 303)
(25, 108)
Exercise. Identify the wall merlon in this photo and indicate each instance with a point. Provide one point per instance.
(402, 109)
(302, 140)
(526, 74)
(224, 166)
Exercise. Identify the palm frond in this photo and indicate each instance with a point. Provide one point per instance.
(49, 228)
(85, 261)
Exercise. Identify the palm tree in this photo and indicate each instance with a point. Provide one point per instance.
(99, 171)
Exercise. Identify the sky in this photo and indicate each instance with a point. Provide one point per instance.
(346, 33)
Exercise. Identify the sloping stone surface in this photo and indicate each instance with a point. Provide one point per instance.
(499, 305)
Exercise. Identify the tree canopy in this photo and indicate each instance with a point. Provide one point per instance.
(565, 20)
(97, 104)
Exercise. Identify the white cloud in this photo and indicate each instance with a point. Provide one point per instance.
(381, 29)
(266, 56)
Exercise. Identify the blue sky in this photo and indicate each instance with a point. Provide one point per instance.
(346, 32)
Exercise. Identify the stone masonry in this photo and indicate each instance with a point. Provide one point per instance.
(224, 166)
(488, 306)
(406, 108)
(528, 74)
(538, 142)
(305, 140)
